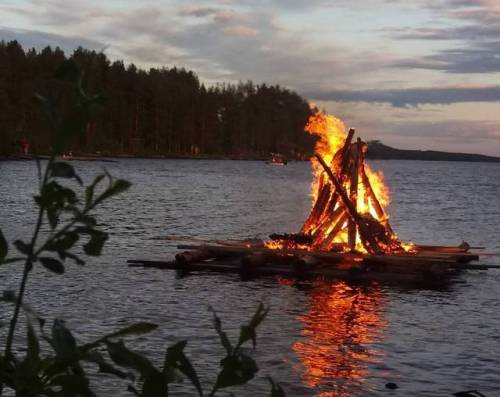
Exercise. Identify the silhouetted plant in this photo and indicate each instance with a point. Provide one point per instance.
(65, 222)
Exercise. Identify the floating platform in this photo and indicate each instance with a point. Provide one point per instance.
(435, 264)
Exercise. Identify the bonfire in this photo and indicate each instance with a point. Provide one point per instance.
(349, 199)
(347, 233)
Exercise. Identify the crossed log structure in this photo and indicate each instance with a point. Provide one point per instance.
(336, 210)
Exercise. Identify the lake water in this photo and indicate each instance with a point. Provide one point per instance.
(324, 338)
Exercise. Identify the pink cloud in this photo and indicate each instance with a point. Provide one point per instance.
(240, 31)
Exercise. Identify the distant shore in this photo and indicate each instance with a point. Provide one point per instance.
(377, 151)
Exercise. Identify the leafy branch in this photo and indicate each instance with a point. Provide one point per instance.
(66, 221)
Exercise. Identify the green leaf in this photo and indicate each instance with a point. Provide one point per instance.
(68, 71)
(94, 246)
(89, 191)
(124, 357)
(73, 385)
(33, 345)
(63, 243)
(76, 258)
(222, 335)
(64, 170)
(116, 187)
(247, 331)
(87, 220)
(52, 264)
(22, 247)
(236, 370)
(4, 248)
(276, 390)
(139, 328)
(107, 368)
(104, 367)
(56, 198)
(9, 296)
(175, 358)
(63, 341)
(154, 385)
(53, 217)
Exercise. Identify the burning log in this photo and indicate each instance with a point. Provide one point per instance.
(328, 224)
(326, 200)
(339, 225)
(367, 239)
(353, 193)
(374, 200)
(297, 238)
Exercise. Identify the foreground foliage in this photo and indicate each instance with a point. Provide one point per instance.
(52, 362)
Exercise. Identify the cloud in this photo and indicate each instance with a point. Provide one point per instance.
(446, 130)
(476, 29)
(220, 15)
(37, 39)
(198, 12)
(240, 31)
(412, 96)
(483, 58)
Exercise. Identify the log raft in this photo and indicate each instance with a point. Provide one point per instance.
(435, 264)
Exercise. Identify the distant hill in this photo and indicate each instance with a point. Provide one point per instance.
(377, 150)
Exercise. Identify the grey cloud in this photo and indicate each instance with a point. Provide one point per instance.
(198, 12)
(37, 39)
(412, 96)
(56, 12)
(483, 58)
(479, 46)
(464, 131)
(464, 33)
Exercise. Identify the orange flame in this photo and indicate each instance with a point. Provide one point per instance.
(331, 133)
(329, 219)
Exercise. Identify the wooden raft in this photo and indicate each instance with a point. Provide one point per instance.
(432, 263)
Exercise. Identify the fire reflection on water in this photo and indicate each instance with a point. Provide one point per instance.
(338, 332)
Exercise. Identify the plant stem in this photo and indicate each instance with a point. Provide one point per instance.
(27, 267)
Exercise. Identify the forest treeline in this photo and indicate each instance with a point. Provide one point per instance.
(162, 111)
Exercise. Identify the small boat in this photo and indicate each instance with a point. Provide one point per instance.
(277, 159)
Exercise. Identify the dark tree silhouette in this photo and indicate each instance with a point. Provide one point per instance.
(164, 112)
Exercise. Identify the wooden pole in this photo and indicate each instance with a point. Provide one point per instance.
(376, 204)
(326, 200)
(353, 195)
(336, 229)
(318, 209)
(345, 148)
(329, 219)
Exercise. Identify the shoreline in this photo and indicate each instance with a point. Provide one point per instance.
(115, 158)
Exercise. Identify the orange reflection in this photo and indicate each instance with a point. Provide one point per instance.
(339, 329)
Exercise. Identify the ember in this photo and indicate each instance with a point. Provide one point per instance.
(348, 212)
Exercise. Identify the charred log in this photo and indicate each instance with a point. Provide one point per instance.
(297, 238)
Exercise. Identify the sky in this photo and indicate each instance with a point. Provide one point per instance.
(419, 74)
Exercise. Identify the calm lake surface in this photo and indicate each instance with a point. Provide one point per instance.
(323, 338)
